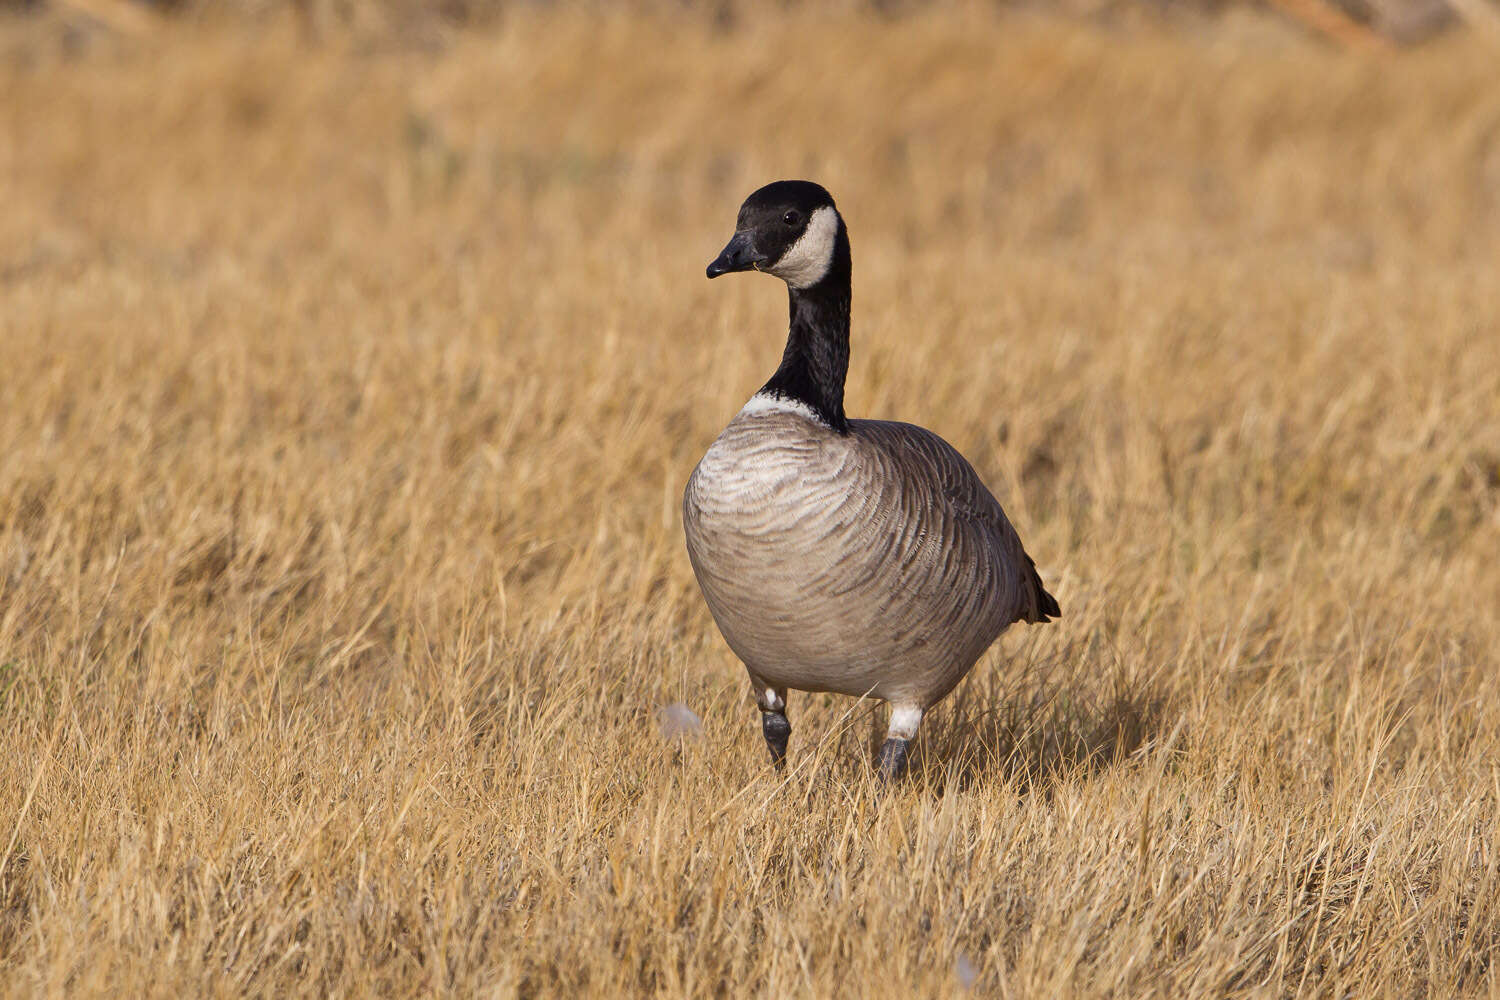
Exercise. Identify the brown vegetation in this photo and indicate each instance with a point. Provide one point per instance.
(348, 396)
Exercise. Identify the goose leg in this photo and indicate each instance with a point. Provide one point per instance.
(773, 724)
(898, 737)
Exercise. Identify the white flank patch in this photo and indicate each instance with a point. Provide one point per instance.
(806, 261)
(904, 722)
(764, 403)
(770, 701)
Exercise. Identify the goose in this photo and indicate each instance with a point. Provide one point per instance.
(862, 557)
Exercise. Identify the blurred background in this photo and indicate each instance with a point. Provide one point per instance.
(353, 357)
(1348, 22)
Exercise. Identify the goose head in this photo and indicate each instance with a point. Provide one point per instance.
(790, 229)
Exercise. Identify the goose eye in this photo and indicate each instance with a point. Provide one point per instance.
(791, 218)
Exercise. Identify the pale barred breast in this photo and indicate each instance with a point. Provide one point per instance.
(872, 561)
(766, 474)
(762, 513)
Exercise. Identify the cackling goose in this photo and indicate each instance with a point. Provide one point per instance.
(863, 557)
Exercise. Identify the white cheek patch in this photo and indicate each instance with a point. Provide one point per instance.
(806, 261)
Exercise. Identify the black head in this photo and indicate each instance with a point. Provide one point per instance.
(790, 229)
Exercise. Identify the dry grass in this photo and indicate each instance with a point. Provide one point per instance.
(347, 401)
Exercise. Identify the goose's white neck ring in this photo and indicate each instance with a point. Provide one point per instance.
(809, 260)
(768, 402)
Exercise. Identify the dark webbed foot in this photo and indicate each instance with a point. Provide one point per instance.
(892, 763)
(903, 729)
(776, 729)
(773, 723)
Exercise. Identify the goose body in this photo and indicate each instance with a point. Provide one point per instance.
(863, 557)
(872, 562)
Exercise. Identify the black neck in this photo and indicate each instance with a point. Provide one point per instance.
(816, 358)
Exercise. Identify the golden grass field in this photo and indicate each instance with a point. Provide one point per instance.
(349, 390)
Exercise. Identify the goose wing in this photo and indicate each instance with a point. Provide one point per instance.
(940, 490)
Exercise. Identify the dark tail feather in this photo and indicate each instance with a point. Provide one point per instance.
(1046, 605)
